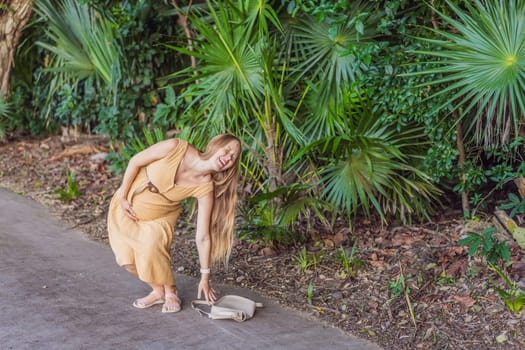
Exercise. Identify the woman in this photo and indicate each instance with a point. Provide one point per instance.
(144, 210)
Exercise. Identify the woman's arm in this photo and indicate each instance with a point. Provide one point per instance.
(202, 237)
(139, 160)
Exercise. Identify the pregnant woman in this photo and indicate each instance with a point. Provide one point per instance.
(144, 210)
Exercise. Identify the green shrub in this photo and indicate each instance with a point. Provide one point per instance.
(486, 245)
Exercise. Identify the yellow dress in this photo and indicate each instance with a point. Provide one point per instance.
(156, 200)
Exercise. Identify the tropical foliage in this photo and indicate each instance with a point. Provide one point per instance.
(345, 108)
(5, 111)
(83, 43)
(483, 64)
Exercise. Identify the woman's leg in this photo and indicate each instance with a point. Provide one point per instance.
(173, 302)
(131, 269)
(156, 296)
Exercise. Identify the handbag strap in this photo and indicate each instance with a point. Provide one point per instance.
(194, 306)
(204, 302)
(222, 315)
(237, 316)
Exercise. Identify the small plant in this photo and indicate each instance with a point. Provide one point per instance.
(445, 279)
(515, 205)
(348, 260)
(72, 191)
(271, 216)
(397, 286)
(310, 292)
(513, 296)
(485, 244)
(304, 260)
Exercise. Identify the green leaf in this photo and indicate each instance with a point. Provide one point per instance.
(360, 27)
(519, 235)
(467, 240)
(483, 66)
(514, 198)
(82, 39)
(171, 98)
(474, 247)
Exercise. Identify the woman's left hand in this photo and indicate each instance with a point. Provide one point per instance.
(209, 292)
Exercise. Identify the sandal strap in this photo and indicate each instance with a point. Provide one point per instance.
(157, 294)
(172, 295)
(172, 306)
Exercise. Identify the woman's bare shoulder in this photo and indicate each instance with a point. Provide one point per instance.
(156, 151)
(172, 143)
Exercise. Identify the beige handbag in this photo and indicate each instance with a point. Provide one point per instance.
(229, 307)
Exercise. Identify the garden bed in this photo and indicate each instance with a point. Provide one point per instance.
(403, 287)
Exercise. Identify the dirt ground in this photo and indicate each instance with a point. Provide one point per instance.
(406, 287)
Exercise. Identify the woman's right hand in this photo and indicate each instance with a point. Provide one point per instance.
(124, 204)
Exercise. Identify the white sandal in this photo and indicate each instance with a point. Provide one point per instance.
(139, 304)
(173, 306)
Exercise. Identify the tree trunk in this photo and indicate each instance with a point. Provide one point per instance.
(183, 21)
(274, 164)
(14, 14)
(465, 202)
(461, 165)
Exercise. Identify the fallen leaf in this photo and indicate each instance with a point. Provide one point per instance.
(339, 237)
(430, 266)
(453, 251)
(457, 268)
(430, 298)
(502, 338)
(388, 252)
(402, 239)
(267, 252)
(377, 263)
(328, 243)
(518, 268)
(465, 300)
(492, 297)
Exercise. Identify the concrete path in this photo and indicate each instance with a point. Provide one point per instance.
(58, 290)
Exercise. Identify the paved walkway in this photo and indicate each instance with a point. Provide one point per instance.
(61, 291)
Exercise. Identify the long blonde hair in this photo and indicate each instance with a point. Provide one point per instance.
(225, 201)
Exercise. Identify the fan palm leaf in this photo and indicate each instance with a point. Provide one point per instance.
(322, 57)
(5, 111)
(5, 107)
(372, 165)
(82, 40)
(238, 84)
(482, 60)
(230, 67)
(324, 51)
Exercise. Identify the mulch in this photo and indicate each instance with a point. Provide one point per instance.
(403, 287)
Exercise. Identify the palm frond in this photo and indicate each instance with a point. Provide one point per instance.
(372, 166)
(82, 40)
(324, 52)
(230, 66)
(5, 107)
(5, 111)
(482, 59)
